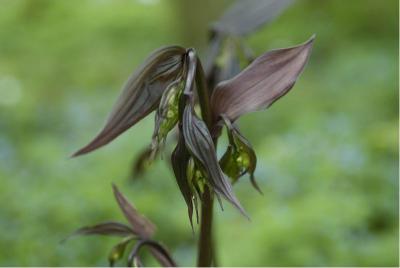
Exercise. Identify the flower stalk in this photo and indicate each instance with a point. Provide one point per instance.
(205, 247)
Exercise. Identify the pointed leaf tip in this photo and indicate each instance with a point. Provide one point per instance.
(199, 142)
(264, 81)
(140, 225)
(179, 160)
(140, 95)
(109, 228)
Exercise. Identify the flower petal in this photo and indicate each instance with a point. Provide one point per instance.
(141, 94)
(263, 82)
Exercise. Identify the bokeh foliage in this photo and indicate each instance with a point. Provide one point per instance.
(327, 152)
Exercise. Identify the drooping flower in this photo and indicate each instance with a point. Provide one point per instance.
(167, 113)
(239, 157)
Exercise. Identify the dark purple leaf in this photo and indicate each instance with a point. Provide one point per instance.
(180, 159)
(106, 228)
(263, 82)
(162, 256)
(200, 144)
(141, 94)
(156, 249)
(140, 225)
(245, 16)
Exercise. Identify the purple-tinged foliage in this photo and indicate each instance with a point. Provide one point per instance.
(141, 230)
(141, 94)
(179, 160)
(263, 82)
(199, 142)
(141, 226)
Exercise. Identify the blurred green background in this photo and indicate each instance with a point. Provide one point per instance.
(327, 152)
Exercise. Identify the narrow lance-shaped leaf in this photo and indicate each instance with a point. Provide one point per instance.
(263, 82)
(140, 225)
(245, 16)
(110, 228)
(141, 94)
(179, 159)
(200, 144)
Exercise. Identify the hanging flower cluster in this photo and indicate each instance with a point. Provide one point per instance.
(166, 83)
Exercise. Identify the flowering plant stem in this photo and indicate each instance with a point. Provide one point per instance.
(205, 250)
(205, 247)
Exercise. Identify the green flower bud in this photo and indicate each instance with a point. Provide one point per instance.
(197, 179)
(117, 252)
(239, 157)
(167, 114)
